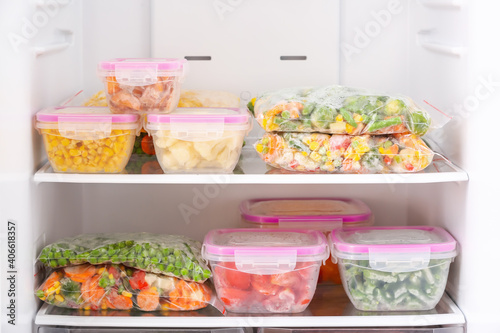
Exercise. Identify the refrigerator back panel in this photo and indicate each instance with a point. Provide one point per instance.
(249, 46)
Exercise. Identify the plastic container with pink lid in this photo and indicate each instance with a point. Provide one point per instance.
(393, 268)
(87, 139)
(265, 271)
(199, 140)
(135, 85)
(323, 214)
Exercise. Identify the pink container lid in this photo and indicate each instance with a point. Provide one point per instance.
(366, 240)
(84, 114)
(164, 64)
(300, 245)
(343, 210)
(202, 115)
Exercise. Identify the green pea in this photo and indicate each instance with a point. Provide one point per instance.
(170, 268)
(177, 272)
(139, 261)
(40, 293)
(95, 253)
(171, 259)
(111, 252)
(129, 242)
(152, 253)
(145, 253)
(155, 260)
(147, 246)
(122, 244)
(147, 261)
(166, 252)
(138, 248)
(184, 272)
(57, 255)
(178, 264)
(114, 259)
(207, 273)
(62, 262)
(177, 253)
(196, 278)
(161, 267)
(93, 261)
(53, 263)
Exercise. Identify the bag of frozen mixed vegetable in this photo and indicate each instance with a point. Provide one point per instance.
(171, 255)
(111, 286)
(341, 110)
(317, 152)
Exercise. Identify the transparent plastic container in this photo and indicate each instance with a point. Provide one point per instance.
(87, 139)
(199, 140)
(393, 268)
(265, 271)
(323, 214)
(142, 85)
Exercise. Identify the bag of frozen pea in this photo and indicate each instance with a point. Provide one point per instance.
(342, 110)
(116, 287)
(172, 255)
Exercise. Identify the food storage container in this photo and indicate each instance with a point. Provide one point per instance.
(265, 271)
(323, 214)
(142, 85)
(393, 268)
(87, 139)
(199, 140)
(428, 329)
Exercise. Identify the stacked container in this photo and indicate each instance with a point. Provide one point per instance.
(265, 271)
(199, 140)
(322, 214)
(338, 129)
(393, 268)
(87, 139)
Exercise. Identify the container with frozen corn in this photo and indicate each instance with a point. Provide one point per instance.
(265, 271)
(323, 214)
(393, 268)
(199, 140)
(87, 139)
(142, 85)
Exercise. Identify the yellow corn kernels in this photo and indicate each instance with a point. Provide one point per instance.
(108, 155)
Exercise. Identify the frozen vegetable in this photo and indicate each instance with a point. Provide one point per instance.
(375, 290)
(109, 154)
(199, 140)
(317, 152)
(170, 255)
(219, 154)
(101, 287)
(142, 85)
(288, 292)
(338, 110)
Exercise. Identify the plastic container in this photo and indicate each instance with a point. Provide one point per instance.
(323, 214)
(265, 271)
(87, 139)
(199, 140)
(142, 85)
(393, 268)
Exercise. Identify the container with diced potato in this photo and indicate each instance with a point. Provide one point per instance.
(87, 139)
(142, 85)
(199, 140)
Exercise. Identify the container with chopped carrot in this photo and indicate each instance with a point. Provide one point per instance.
(111, 286)
(87, 139)
(142, 85)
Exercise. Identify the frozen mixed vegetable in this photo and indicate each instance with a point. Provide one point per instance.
(338, 110)
(375, 290)
(317, 152)
(170, 255)
(101, 287)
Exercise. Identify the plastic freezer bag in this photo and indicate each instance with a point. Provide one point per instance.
(117, 287)
(171, 255)
(316, 152)
(338, 110)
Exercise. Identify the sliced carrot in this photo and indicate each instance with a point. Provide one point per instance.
(91, 292)
(189, 296)
(80, 273)
(120, 302)
(148, 299)
(147, 145)
(112, 85)
(49, 282)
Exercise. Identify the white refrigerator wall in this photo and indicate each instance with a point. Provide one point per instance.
(441, 51)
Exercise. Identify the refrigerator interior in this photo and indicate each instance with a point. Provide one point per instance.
(436, 51)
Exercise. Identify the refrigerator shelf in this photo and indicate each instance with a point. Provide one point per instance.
(252, 170)
(322, 312)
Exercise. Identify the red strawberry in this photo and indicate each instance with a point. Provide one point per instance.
(262, 284)
(280, 303)
(227, 276)
(286, 280)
